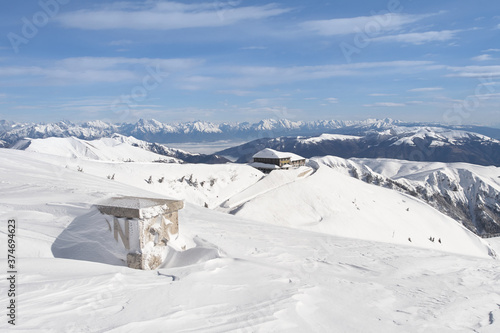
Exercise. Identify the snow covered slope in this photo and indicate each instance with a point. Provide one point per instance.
(106, 149)
(236, 275)
(332, 203)
(468, 193)
(200, 184)
(115, 148)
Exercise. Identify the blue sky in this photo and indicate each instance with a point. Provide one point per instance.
(220, 61)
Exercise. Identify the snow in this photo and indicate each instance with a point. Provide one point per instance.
(327, 137)
(469, 193)
(270, 182)
(106, 149)
(439, 136)
(229, 273)
(263, 165)
(132, 202)
(206, 147)
(271, 153)
(332, 203)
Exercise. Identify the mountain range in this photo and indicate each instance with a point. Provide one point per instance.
(198, 131)
(417, 143)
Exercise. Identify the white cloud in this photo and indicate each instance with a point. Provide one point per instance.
(253, 48)
(491, 50)
(488, 96)
(166, 16)
(419, 38)
(482, 57)
(120, 42)
(425, 89)
(266, 101)
(372, 24)
(260, 75)
(98, 70)
(475, 71)
(193, 74)
(384, 105)
(82, 63)
(235, 92)
(332, 100)
(380, 95)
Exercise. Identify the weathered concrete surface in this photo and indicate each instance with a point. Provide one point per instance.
(144, 226)
(136, 208)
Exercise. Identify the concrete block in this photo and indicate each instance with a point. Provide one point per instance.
(144, 226)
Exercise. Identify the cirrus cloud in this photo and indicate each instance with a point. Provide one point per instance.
(419, 38)
(384, 105)
(426, 89)
(352, 25)
(166, 16)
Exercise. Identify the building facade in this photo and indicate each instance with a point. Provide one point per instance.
(269, 159)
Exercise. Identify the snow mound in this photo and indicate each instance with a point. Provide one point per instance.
(202, 251)
(89, 237)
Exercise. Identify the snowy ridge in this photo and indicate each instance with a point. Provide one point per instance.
(438, 136)
(115, 148)
(468, 193)
(327, 137)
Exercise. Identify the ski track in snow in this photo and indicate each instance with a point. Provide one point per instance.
(237, 275)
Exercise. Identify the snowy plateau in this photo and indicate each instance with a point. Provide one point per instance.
(328, 247)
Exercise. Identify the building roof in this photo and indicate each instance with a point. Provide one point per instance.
(258, 165)
(295, 157)
(271, 153)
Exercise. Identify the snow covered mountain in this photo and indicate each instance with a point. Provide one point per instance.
(115, 148)
(197, 131)
(467, 193)
(433, 144)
